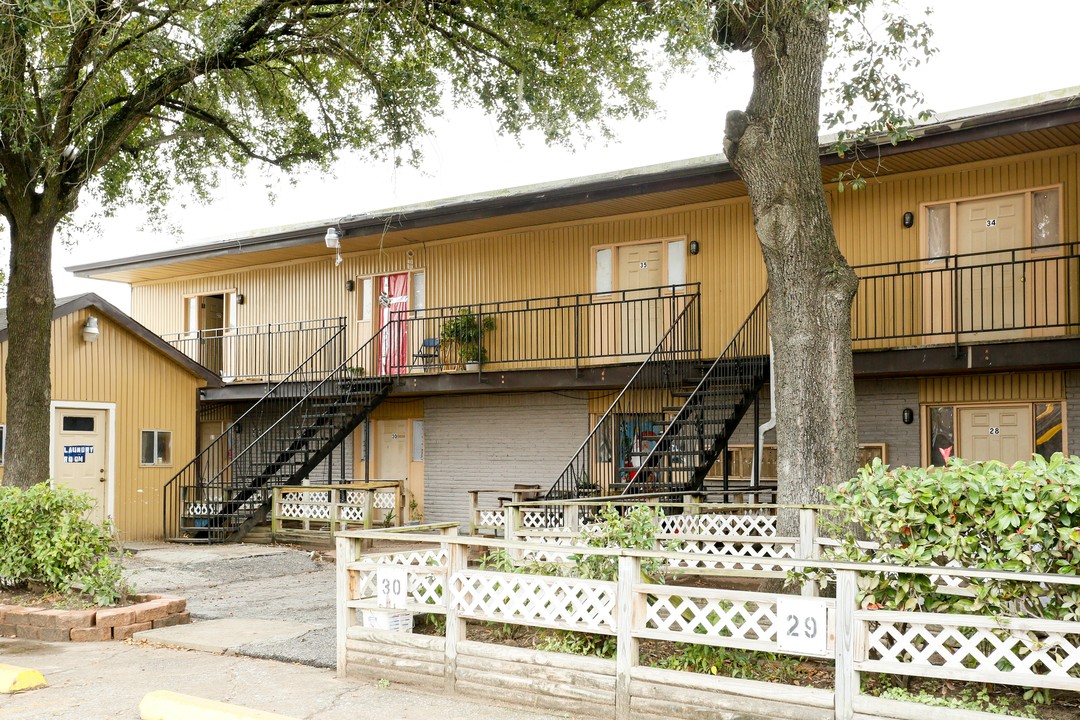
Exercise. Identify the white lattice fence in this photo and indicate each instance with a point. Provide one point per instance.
(573, 604)
(426, 574)
(718, 524)
(1014, 651)
(732, 554)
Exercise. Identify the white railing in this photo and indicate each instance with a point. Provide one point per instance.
(439, 578)
(321, 510)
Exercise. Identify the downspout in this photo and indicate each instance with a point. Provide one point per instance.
(768, 424)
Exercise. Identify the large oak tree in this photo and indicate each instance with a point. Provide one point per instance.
(127, 99)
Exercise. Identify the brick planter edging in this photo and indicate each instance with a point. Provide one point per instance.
(94, 624)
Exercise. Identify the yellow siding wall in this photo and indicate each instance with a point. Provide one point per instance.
(150, 392)
(1023, 387)
(556, 259)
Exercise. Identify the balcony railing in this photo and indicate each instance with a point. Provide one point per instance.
(1009, 294)
(566, 331)
(264, 353)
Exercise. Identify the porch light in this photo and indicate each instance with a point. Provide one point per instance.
(908, 416)
(90, 331)
(333, 238)
(908, 219)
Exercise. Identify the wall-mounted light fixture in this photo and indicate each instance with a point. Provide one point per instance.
(695, 247)
(908, 219)
(239, 298)
(350, 285)
(90, 331)
(908, 416)
(333, 238)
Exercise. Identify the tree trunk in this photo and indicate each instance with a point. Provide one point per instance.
(27, 375)
(773, 146)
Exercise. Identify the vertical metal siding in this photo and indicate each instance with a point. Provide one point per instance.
(557, 259)
(150, 392)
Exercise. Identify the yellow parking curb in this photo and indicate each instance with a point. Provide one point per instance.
(17, 679)
(167, 705)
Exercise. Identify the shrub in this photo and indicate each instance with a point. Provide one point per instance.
(47, 538)
(1024, 518)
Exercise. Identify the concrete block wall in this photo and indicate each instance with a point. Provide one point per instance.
(879, 407)
(1072, 411)
(496, 441)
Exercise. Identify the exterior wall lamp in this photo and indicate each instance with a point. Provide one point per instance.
(908, 219)
(695, 247)
(90, 330)
(908, 416)
(333, 238)
(350, 285)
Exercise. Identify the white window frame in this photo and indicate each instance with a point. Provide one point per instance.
(665, 242)
(156, 432)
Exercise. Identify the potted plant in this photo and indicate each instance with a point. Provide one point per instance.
(465, 331)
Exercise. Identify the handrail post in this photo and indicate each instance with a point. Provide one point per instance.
(846, 684)
(457, 561)
(629, 608)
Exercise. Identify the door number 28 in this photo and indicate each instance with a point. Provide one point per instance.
(995, 431)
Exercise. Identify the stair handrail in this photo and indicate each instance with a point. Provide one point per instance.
(253, 408)
(310, 393)
(645, 364)
(727, 354)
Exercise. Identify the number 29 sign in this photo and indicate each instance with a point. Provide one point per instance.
(802, 626)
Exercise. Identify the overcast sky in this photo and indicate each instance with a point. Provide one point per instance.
(989, 51)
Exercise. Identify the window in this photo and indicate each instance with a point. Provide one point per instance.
(1048, 428)
(418, 441)
(156, 447)
(942, 435)
(365, 299)
(75, 423)
(662, 263)
(1041, 233)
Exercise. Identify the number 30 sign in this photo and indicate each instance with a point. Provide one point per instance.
(802, 626)
(392, 586)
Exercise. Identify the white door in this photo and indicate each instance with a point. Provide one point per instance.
(81, 455)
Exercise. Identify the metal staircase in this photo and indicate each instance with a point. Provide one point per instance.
(227, 488)
(675, 416)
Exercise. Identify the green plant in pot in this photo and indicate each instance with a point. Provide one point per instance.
(466, 331)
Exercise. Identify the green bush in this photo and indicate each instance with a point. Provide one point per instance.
(47, 538)
(1024, 518)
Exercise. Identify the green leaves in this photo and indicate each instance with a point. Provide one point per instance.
(977, 515)
(45, 537)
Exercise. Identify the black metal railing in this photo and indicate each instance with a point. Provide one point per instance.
(261, 353)
(637, 411)
(566, 331)
(277, 441)
(698, 429)
(1003, 294)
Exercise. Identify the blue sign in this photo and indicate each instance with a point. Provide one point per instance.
(77, 453)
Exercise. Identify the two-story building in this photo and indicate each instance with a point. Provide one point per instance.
(610, 331)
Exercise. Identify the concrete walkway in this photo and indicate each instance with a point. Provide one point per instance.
(106, 681)
(262, 601)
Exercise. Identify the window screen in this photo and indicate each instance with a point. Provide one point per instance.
(676, 262)
(76, 423)
(937, 232)
(603, 270)
(418, 441)
(1044, 218)
(156, 447)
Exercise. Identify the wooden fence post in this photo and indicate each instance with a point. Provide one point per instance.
(808, 545)
(846, 684)
(369, 508)
(346, 616)
(572, 517)
(628, 607)
(457, 561)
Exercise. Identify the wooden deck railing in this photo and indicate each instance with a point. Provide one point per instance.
(435, 575)
(318, 511)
